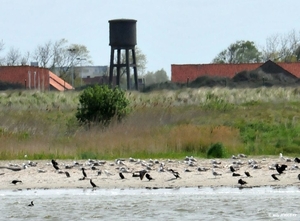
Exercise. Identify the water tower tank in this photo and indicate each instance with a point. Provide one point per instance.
(122, 32)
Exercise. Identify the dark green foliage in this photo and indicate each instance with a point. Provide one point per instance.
(101, 104)
(216, 150)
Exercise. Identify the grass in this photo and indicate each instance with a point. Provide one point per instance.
(163, 124)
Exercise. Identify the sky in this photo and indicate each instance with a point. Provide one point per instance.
(168, 31)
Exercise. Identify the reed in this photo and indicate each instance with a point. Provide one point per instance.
(163, 124)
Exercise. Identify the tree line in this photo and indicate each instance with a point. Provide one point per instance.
(278, 48)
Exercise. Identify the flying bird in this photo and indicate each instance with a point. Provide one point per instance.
(148, 176)
(83, 172)
(93, 184)
(175, 173)
(16, 181)
(142, 174)
(242, 182)
(274, 177)
(121, 176)
(247, 174)
(31, 204)
(55, 164)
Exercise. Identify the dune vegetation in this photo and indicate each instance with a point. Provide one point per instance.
(162, 124)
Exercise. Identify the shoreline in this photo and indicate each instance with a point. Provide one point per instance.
(193, 173)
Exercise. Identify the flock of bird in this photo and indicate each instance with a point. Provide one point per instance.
(145, 167)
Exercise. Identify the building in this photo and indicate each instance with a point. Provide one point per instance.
(33, 77)
(182, 73)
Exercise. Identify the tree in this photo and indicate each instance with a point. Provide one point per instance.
(282, 48)
(239, 52)
(157, 77)
(13, 56)
(101, 104)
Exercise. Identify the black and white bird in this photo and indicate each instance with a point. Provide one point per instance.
(232, 169)
(274, 177)
(148, 176)
(216, 173)
(299, 176)
(236, 174)
(121, 176)
(31, 204)
(247, 174)
(83, 172)
(93, 184)
(175, 173)
(16, 181)
(242, 182)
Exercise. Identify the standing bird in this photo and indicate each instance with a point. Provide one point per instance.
(299, 176)
(236, 174)
(216, 173)
(281, 168)
(148, 176)
(121, 176)
(16, 181)
(175, 173)
(232, 169)
(93, 184)
(247, 174)
(242, 182)
(274, 177)
(67, 174)
(31, 204)
(297, 160)
(83, 172)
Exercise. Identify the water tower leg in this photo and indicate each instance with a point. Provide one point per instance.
(118, 66)
(111, 67)
(127, 68)
(135, 70)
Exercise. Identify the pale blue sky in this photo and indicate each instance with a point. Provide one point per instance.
(168, 31)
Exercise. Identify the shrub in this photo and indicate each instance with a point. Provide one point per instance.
(216, 150)
(100, 104)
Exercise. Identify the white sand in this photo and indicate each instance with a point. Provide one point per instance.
(31, 178)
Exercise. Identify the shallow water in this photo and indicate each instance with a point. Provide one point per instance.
(264, 203)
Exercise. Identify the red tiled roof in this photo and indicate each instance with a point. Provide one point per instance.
(183, 72)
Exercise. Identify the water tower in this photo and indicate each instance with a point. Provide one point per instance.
(122, 37)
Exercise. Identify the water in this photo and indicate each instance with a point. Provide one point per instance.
(263, 203)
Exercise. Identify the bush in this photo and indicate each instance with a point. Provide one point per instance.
(216, 150)
(100, 104)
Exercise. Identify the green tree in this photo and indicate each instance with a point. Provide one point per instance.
(101, 104)
(239, 52)
(159, 76)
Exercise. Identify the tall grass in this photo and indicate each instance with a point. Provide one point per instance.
(163, 124)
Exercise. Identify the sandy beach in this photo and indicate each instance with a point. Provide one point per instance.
(193, 172)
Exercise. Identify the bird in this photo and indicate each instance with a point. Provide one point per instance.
(16, 181)
(299, 176)
(175, 173)
(247, 174)
(31, 204)
(54, 162)
(148, 176)
(93, 184)
(216, 173)
(297, 160)
(232, 169)
(142, 174)
(274, 177)
(83, 172)
(281, 168)
(242, 182)
(67, 174)
(236, 174)
(121, 176)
